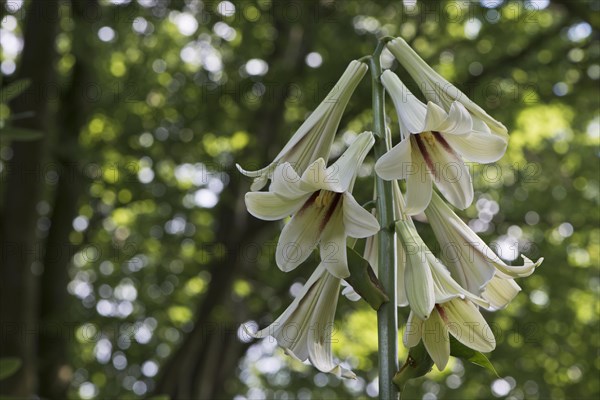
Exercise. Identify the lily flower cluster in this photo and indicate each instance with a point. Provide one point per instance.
(445, 295)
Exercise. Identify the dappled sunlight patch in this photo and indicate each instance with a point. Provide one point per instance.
(179, 315)
(356, 338)
(538, 123)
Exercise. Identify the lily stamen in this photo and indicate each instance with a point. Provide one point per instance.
(324, 198)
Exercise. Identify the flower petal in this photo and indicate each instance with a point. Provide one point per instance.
(411, 111)
(478, 114)
(333, 246)
(315, 177)
(371, 253)
(260, 177)
(450, 174)
(419, 290)
(467, 325)
(499, 292)
(270, 206)
(419, 70)
(257, 173)
(396, 163)
(286, 182)
(401, 299)
(399, 205)
(358, 222)
(412, 331)
(259, 183)
(418, 281)
(515, 271)
(349, 292)
(459, 121)
(445, 287)
(418, 187)
(340, 175)
(437, 119)
(460, 255)
(321, 329)
(305, 133)
(436, 340)
(300, 236)
(479, 147)
(297, 314)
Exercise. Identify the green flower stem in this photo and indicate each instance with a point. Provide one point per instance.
(387, 316)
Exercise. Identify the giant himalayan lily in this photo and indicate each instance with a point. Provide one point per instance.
(439, 90)
(427, 282)
(430, 150)
(459, 317)
(324, 210)
(314, 137)
(305, 328)
(470, 261)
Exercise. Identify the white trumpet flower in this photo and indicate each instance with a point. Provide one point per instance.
(304, 330)
(470, 261)
(432, 149)
(314, 137)
(324, 210)
(440, 91)
(427, 282)
(458, 317)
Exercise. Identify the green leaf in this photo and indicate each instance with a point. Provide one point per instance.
(8, 366)
(363, 280)
(457, 349)
(21, 134)
(418, 364)
(160, 397)
(14, 89)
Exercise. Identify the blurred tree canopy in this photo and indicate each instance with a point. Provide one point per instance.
(128, 258)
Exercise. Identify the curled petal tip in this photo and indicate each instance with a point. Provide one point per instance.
(252, 333)
(253, 174)
(529, 261)
(242, 170)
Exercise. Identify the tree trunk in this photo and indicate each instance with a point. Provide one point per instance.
(24, 185)
(54, 369)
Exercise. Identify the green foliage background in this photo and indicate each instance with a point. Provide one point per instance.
(161, 240)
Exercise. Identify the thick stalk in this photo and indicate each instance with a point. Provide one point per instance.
(387, 316)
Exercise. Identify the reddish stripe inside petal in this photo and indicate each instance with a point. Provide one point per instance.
(330, 210)
(424, 152)
(442, 312)
(440, 138)
(308, 202)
